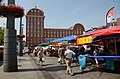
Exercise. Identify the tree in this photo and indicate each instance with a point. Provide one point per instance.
(1, 36)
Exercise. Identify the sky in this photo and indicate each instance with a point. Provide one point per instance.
(66, 13)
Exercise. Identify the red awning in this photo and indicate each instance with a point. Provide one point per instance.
(102, 32)
(109, 31)
(93, 32)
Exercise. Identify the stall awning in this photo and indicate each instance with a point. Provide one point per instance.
(67, 38)
(109, 31)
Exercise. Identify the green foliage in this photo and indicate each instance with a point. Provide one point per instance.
(1, 36)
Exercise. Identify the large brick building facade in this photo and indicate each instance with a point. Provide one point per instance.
(36, 33)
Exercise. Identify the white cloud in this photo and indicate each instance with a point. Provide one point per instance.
(2, 22)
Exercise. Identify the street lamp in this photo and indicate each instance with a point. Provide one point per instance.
(20, 44)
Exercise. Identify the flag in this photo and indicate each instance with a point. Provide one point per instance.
(109, 16)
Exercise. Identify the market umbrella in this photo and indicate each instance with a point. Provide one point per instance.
(44, 44)
(69, 38)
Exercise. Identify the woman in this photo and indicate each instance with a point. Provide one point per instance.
(40, 57)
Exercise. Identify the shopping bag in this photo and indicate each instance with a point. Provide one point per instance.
(43, 60)
(59, 59)
(82, 61)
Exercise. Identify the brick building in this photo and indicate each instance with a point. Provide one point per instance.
(118, 21)
(36, 33)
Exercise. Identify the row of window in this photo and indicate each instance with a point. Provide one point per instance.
(52, 33)
(35, 12)
(33, 20)
(60, 33)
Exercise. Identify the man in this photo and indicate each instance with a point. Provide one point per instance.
(69, 55)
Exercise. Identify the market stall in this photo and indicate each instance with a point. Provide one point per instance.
(111, 37)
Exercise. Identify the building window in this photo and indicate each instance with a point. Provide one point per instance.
(28, 34)
(57, 33)
(31, 29)
(77, 31)
(45, 33)
(51, 33)
(61, 33)
(54, 33)
(34, 34)
(69, 32)
(48, 34)
(31, 10)
(66, 33)
(34, 19)
(29, 20)
(34, 40)
(80, 31)
(74, 32)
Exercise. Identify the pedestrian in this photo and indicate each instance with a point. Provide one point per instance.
(61, 55)
(82, 58)
(75, 49)
(29, 50)
(69, 54)
(35, 52)
(95, 53)
(40, 57)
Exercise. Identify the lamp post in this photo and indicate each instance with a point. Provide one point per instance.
(20, 43)
(10, 54)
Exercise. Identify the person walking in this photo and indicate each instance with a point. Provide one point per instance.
(69, 55)
(61, 55)
(40, 57)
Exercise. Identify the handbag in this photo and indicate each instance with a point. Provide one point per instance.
(43, 60)
(59, 59)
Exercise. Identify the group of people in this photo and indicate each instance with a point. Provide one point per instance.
(66, 55)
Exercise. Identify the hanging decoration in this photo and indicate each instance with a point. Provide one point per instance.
(20, 36)
(5, 10)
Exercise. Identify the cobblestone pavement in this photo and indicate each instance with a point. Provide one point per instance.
(27, 69)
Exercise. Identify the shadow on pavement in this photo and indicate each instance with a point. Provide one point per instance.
(22, 60)
(55, 68)
(27, 70)
(86, 71)
(47, 64)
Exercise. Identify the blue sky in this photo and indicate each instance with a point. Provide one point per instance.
(65, 13)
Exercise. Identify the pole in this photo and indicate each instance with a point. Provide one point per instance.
(10, 54)
(115, 45)
(20, 44)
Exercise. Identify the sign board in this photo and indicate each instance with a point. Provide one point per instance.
(54, 44)
(84, 40)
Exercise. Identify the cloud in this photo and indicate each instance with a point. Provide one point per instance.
(2, 22)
